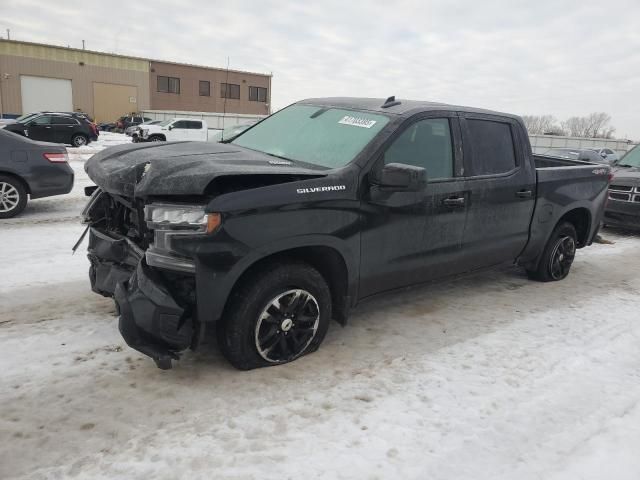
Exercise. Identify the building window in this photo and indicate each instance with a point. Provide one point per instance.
(229, 90)
(168, 84)
(257, 94)
(205, 88)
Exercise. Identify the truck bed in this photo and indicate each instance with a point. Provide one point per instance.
(563, 185)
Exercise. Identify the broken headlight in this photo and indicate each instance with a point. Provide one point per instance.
(176, 217)
(169, 221)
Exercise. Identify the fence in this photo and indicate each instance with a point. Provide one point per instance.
(215, 121)
(541, 143)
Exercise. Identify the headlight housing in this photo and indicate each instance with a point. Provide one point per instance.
(176, 217)
(171, 221)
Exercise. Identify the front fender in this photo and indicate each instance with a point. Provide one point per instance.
(214, 285)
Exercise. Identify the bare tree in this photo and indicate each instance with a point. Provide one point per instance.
(540, 124)
(594, 125)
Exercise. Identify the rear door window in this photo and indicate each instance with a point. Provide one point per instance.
(63, 121)
(426, 144)
(492, 147)
(195, 125)
(43, 120)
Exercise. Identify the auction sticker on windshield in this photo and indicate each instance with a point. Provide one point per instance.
(357, 122)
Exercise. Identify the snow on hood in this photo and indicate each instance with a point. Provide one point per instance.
(180, 168)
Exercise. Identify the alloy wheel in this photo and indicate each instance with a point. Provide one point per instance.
(562, 257)
(79, 141)
(9, 197)
(286, 326)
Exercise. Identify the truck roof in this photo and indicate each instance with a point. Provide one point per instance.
(398, 106)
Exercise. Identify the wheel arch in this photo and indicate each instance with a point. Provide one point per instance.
(332, 264)
(581, 220)
(24, 183)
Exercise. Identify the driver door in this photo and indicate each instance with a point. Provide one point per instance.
(407, 240)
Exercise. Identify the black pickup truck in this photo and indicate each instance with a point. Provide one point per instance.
(317, 207)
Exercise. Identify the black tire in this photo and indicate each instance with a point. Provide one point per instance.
(156, 138)
(79, 140)
(557, 256)
(250, 337)
(13, 196)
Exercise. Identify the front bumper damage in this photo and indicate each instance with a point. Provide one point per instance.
(154, 319)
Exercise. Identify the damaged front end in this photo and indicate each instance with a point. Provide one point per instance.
(133, 262)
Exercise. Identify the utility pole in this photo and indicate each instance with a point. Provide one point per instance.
(83, 44)
(8, 34)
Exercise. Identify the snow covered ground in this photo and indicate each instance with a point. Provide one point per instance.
(487, 377)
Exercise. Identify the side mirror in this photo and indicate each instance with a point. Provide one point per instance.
(401, 177)
(603, 155)
(170, 127)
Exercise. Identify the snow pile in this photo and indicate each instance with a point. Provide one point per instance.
(487, 377)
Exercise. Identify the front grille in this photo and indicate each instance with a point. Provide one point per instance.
(624, 193)
(620, 188)
(625, 197)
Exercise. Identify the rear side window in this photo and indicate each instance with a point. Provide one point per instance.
(63, 121)
(44, 120)
(492, 147)
(426, 144)
(194, 125)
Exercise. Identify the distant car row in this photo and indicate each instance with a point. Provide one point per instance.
(182, 129)
(69, 128)
(601, 155)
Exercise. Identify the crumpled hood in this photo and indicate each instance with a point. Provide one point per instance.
(180, 168)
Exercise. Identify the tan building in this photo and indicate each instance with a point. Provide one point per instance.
(37, 77)
(200, 89)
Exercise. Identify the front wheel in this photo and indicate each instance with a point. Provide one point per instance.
(558, 255)
(278, 315)
(13, 197)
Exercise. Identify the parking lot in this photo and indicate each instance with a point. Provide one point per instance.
(489, 376)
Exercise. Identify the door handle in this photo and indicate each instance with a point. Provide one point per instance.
(524, 194)
(453, 202)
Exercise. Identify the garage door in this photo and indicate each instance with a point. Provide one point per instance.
(46, 94)
(111, 101)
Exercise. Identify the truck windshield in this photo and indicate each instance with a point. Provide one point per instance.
(328, 137)
(631, 158)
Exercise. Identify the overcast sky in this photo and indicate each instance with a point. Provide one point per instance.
(527, 57)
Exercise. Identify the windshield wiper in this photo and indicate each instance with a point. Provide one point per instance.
(280, 156)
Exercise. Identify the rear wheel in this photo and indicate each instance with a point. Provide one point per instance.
(13, 196)
(558, 255)
(278, 315)
(79, 140)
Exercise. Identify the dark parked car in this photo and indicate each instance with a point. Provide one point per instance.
(584, 154)
(57, 128)
(130, 121)
(317, 207)
(30, 168)
(623, 207)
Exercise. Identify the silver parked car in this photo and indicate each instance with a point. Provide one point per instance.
(607, 154)
(584, 154)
